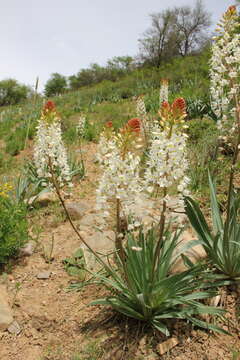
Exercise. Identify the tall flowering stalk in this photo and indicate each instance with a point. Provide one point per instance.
(80, 131)
(148, 123)
(225, 86)
(167, 164)
(225, 70)
(120, 183)
(142, 114)
(50, 155)
(81, 125)
(163, 94)
(51, 161)
(222, 242)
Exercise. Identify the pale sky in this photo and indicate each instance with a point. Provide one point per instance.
(39, 37)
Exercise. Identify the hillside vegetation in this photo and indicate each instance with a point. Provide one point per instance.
(121, 188)
(188, 78)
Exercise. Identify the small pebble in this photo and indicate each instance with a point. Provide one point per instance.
(14, 328)
(44, 275)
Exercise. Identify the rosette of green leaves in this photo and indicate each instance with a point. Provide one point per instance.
(222, 242)
(149, 293)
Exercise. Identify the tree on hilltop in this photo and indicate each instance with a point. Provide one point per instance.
(56, 85)
(12, 92)
(191, 25)
(177, 31)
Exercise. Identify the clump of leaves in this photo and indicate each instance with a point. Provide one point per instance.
(222, 242)
(76, 264)
(198, 108)
(144, 289)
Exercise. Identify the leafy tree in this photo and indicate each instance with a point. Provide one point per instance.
(154, 46)
(176, 31)
(56, 85)
(121, 63)
(115, 68)
(83, 78)
(11, 92)
(191, 25)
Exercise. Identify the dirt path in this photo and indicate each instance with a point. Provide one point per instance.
(47, 314)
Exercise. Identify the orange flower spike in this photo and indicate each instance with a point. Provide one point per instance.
(164, 81)
(179, 104)
(49, 107)
(134, 125)
(165, 106)
(108, 129)
(109, 124)
(178, 109)
(232, 9)
(230, 13)
(165, 110)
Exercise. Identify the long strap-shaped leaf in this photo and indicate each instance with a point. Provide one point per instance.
(198, 221)
(216, 216)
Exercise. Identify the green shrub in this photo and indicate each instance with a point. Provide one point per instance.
(199, 108)
(70, 135)
(15, 141)
(13, 228)
(91, 131)
(14, 146)
(198, 129)
(202, 152)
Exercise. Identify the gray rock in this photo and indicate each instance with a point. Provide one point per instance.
(195, 254)
(28, 249)
(103, 243)
(43, 199)
(44, 275)
(6, 317)
(14, 328)
(77, 209)
(91, 220)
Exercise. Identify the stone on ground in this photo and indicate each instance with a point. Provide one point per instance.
(78, 209)
(14, 328)
(43, 199)
(167, 345)
(92, 221)
(28, 249)
(6, 317)
(44, 275)
(195, 254)
(101, 242)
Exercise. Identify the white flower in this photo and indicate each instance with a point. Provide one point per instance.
(81, 125)
(167, 163)
(225, 71)
(163, 96)
(120, 178)
(136, 248)
(50, 153)
(142, 114)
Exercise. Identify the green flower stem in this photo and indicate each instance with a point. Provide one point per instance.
(29, 120)
(55, 184)
(119, 245)
(233, 169)
(161, 232)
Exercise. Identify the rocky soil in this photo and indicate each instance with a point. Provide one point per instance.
(41, 320)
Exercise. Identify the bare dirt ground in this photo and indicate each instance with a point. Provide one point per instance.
(57, 324)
